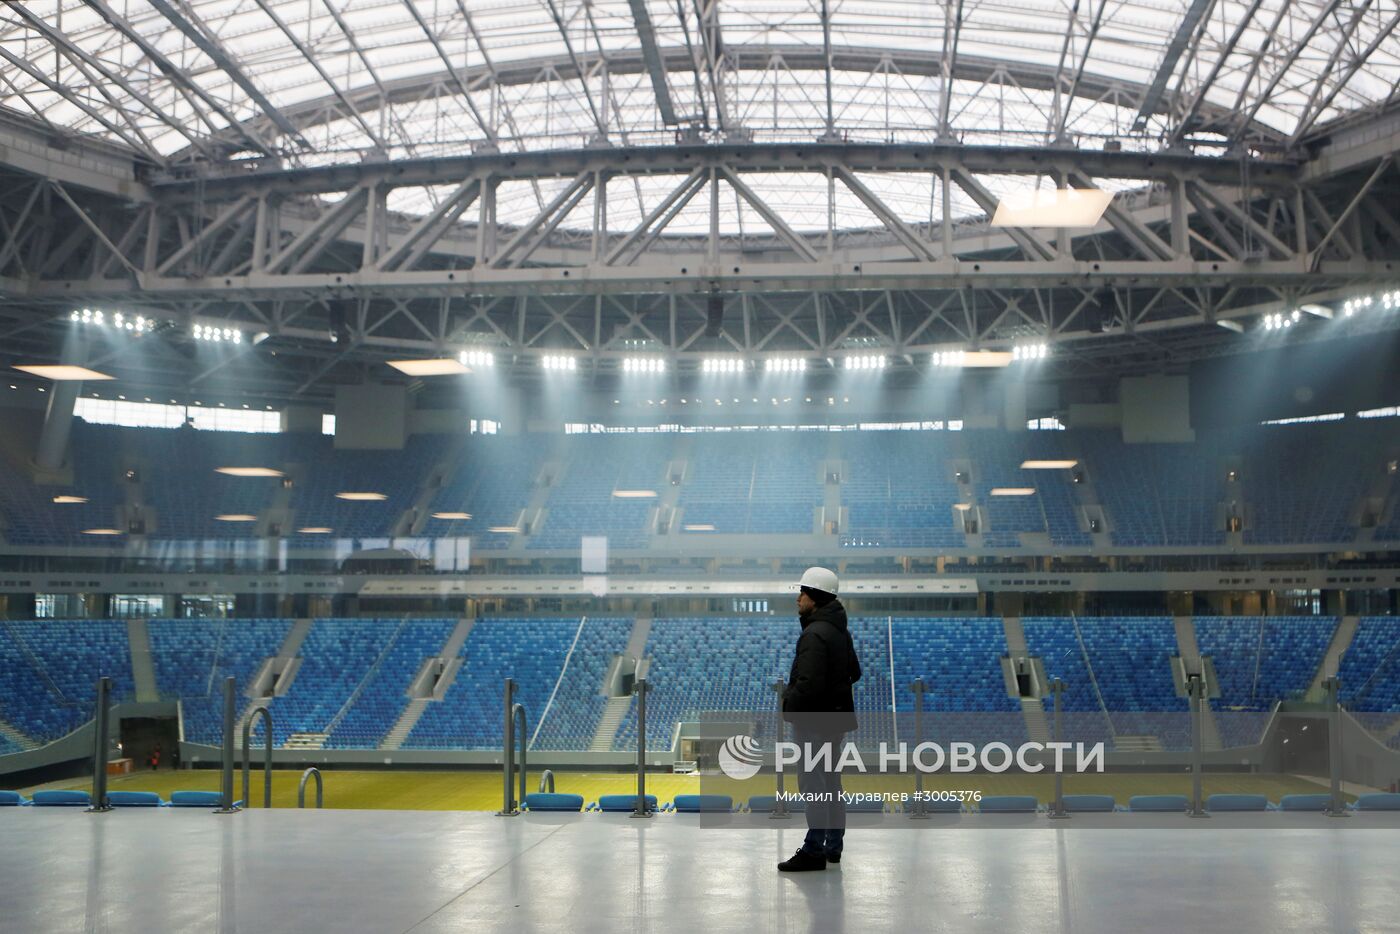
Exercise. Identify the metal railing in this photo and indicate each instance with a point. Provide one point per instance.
(920, 809)
(301, 788)
(226, 805)
(515, 713)
(641, 688)
(267, 755)
(102, 728)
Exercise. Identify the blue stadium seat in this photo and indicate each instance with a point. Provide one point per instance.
(1173, 803)
(1378, 801)
(1306, 802)
(134, 799)
(1008, 804)
(552, 801)
(197, 799)
(764, 804)
(1088, 804)
(693, 804)
(628, 803)
(1236, 802)
(62, 799)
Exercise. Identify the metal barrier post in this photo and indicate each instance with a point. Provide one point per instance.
(226, 785)
(1337, 806)
(780, 810)
(1196, 691)
(301, 788)
(640, 688)
(99, 754)
(508, 808)
(920, 811)
(1057, 810)
(267, 755)
(547, 782)
(522, 733)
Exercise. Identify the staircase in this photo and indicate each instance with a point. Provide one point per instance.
(291, 645)
(143, 670)
(1126, 743)
(306, 741)
(1332, 659)
(1190, 652)
(394, 739)
(1037, 719)
(609, 722)
(18, 738)
(398, 733)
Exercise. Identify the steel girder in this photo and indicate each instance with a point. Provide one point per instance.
(262, 253)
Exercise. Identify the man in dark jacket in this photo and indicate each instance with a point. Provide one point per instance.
(820, 706)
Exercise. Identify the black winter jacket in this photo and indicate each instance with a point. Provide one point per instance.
(818, 693)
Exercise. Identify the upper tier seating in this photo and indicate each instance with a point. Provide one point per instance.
(754, 482)
(492, 483)
(582, 501)
(1303, 482)
(28, 515)
(1299, 484)
(1157, 494)
(322, 471)
(996, 458)
(900, 490)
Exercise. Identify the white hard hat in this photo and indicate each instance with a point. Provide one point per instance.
(823, 579)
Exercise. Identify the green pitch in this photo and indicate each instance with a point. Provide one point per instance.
(481, 791)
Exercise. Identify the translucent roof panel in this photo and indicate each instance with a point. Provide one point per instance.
(328, 80)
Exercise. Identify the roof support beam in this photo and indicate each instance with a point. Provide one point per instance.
(1317, 108)
(178, 77)
(646, 34)
(1185, 31)
(1184, 123)
(216, 53)
(311, 60)
(452, 70)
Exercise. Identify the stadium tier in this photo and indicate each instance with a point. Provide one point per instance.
(352, 678)
(1300, 485)
(50, 673)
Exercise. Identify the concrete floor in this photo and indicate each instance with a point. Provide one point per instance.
(398, 871)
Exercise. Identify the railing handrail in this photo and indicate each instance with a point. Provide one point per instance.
(267, 755)
(301, 788)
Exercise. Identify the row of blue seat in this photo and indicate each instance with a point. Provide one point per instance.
(1299, 485)
(72, 798)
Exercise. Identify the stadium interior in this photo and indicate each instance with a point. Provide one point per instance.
(423, 407)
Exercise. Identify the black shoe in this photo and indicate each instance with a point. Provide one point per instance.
(802, 861)
(833, 857)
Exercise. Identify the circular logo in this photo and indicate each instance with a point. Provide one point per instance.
(740, 757)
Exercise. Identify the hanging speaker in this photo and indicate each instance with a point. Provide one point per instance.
(714, 315)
